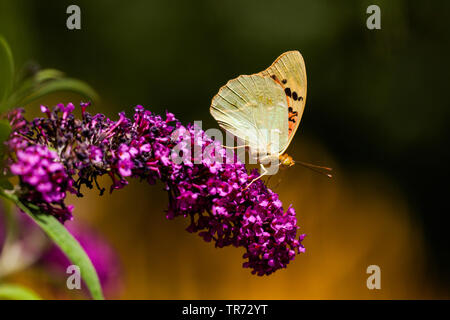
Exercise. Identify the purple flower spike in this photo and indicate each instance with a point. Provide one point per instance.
(210, 190)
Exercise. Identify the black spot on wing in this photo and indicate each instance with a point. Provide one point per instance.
(294, 95)
(288, 92)
(284, 81)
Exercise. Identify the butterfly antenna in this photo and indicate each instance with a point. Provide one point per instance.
(319, 169)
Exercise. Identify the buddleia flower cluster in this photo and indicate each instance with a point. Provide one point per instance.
(59, 153)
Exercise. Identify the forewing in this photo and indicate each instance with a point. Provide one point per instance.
(254, 108)
(289, 71)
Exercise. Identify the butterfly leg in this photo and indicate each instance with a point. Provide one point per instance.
(264, 172)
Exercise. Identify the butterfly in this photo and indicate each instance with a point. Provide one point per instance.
(264, 109)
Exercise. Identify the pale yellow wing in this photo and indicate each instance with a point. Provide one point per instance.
(254, 108)
(289, 71)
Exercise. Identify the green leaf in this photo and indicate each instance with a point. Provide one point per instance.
(46, 82)
(66, 242)
(29, 86)
(6, 70)
(65, 84)
(16, 292)
(48, 74)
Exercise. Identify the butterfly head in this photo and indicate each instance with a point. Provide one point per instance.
(286, 160)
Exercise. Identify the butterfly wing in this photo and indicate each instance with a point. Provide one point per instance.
(289, 71)
(255, 109)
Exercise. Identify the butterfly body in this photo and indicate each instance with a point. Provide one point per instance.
(286, 160)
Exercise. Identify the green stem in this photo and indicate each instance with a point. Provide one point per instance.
(16, 292)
